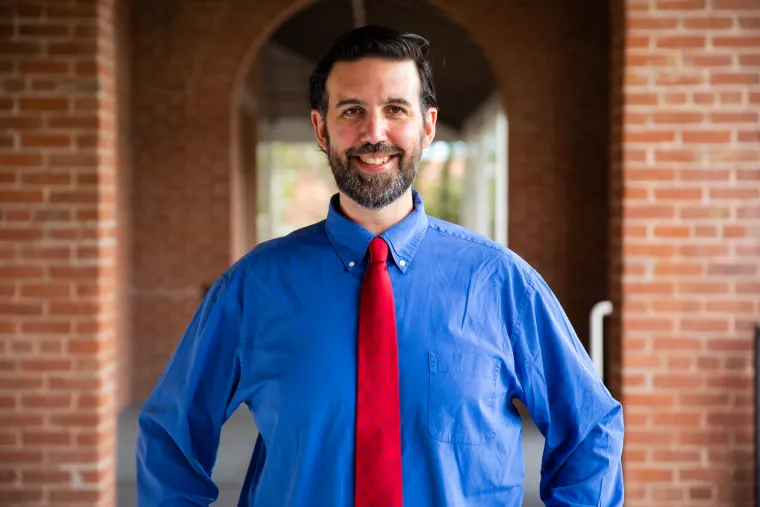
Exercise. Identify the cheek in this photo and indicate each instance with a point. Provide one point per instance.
(342, 137)
(406, 137)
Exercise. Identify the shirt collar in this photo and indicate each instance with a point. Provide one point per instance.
(350, 240)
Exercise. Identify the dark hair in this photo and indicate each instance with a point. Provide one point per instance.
(373, 40)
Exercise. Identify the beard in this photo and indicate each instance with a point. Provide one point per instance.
(375, 190)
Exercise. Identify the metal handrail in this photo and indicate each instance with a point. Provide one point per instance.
(598, 312)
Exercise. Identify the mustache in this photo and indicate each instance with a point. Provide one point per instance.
(382, 148)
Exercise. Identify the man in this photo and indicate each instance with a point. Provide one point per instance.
(380, 350)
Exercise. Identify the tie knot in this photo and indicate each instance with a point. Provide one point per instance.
(378, 250)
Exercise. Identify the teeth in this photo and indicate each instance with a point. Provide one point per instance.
(374, 160)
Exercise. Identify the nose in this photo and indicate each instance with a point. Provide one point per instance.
(374, 128)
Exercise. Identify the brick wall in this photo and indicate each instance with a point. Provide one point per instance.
(689, 274)
(57, 240)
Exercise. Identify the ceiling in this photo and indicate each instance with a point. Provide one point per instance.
(462, 76)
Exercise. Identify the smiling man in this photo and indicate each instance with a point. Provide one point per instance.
(380, 350)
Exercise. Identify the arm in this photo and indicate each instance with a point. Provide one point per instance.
(180, 423)
(581, 422)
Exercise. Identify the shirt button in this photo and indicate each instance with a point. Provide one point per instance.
(402, 262)
(351, 264)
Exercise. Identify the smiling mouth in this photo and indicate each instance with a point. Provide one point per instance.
(374, 162)
(374, 159)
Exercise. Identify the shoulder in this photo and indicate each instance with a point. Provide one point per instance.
(482, 250)
(294, 246)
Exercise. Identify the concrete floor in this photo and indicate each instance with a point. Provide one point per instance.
(237, 440)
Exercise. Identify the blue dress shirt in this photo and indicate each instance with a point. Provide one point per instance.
(477, 328)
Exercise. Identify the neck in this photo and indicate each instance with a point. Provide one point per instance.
(378, 221)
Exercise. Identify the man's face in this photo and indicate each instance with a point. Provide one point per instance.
(374, 131)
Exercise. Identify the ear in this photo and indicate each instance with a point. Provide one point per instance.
(319, 128)
(431, 116)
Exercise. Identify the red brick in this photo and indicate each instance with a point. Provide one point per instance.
(736, 155)
(675, 155)
(701, 493)
(46, 439)
(681, 41)
(704, 212)
(44, 328)
(84, 122)
(74, 420)
(671, 231)
(46, 290)
(669, 194)
(677, 268)
(66, 495)
(749, 60)
(748, 21)
(20, 160)
(672, 381)
(39, 104)
(677, 305)
(21, 495)
(737, 78)
(698, 401)
(748, 174)
(704, 325)
(649, 211)
(708, 60)
(46, 476)
(19, 457)
(680, 5)
(650, 475)
(44, 67)
(665, 456)
(736, 41)
(708, 22)
(701, 474)
(706, 136)
(46, 365)
(733, 269)
(675, 344)
(650, 136)
(671, 78)
(46, 30)
(646, 60)
(649, 400)
(81, 197)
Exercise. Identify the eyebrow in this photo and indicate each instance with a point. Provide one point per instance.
(359, 102)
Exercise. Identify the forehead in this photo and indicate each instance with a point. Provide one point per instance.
(373, 79)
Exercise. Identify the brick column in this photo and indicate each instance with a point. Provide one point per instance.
(57, 249)
(688, 180)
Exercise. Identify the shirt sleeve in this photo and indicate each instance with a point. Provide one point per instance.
(179, 426)
(580, 420)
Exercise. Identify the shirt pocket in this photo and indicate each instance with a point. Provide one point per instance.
(461, 405)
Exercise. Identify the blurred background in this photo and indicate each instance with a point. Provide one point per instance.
(145, 146)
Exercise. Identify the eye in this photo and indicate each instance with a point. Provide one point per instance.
(397, 110)
(351, 111)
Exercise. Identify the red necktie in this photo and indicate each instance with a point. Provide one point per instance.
(378, 422)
